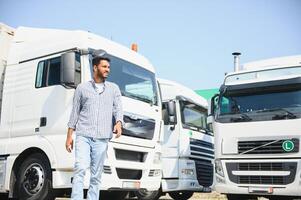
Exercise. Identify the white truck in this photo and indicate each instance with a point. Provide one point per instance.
(187, 149)
(40, 71)
(256, 123)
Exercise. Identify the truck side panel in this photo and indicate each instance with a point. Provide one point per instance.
(6, 35)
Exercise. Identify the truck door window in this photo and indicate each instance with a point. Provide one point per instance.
(54, 71)
(40, 75)
(49, 72)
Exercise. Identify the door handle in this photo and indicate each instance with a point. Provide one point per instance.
(43, 121)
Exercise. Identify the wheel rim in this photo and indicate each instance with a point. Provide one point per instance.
(34, 177)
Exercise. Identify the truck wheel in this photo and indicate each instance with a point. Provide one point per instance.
(240, 197)
(4, 196)
(282, 198)
(181, 195)
(113, 195)
(34, 180)
(143, 194)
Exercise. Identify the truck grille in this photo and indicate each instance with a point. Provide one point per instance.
(262, 179)
(130, 155)
(129, 174)
(202, 153)
(201, 149)
(204, 171)
(261, 147)
(138, 126)
(261, 167)
(271, 180)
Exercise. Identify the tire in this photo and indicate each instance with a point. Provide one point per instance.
(113, 195)
(181, 195)
(34, 180)
(240, 197)
(281, 198)
(148, 195)
(4, 196)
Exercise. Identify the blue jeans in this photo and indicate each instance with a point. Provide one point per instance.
(89, 152)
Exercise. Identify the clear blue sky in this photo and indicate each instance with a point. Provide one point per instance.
(188, 41)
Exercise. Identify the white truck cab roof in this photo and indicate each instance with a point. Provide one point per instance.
(170, 90)
(266, 70)
(29, 43)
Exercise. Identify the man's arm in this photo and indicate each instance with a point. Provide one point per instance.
(73, 119)
(118, 112)
(75, 109)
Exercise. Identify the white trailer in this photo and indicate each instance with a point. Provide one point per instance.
(256, 118)
(40, 71)
(187, 149)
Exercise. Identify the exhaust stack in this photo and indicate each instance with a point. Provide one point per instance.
(236, 61)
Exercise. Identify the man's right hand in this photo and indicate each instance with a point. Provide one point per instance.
(69, 143)
(69, 140)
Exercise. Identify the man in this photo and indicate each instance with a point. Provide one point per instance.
(95, 104)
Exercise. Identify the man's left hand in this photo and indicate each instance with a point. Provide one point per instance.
(117, 129)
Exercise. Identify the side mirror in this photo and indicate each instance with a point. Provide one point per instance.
(213, 105)
(209, 123)
(171, 107)
(69, 66)
(98, 52)
(211, 111)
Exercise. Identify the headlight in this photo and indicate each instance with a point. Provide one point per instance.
(157, 158)
(219, 180)
(219, 168)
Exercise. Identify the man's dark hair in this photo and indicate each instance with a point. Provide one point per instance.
(96, 60)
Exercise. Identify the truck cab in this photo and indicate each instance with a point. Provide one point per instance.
(40, 73)
(187, 147)
(256, 121)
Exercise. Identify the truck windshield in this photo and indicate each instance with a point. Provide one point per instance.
(134, 81)
(260, 107)
(193, 116)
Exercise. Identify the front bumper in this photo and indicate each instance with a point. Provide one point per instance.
(120, 173)
(181, 185)
(226, 186)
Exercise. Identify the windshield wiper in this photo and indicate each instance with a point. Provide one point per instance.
(137, 97)
(242, 118)
(191, 125)
(287, 114)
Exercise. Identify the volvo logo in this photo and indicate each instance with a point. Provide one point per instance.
(288, 145)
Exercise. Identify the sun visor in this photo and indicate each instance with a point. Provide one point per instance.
(262, 87)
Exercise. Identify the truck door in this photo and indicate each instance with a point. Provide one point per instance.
(170, 151)
(45, 106)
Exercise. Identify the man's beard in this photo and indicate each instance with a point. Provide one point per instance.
(99, 75)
